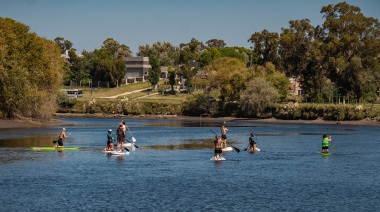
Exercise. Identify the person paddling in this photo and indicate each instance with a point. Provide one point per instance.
(120, 138)
(224, 136)
(61, 136)
(325, 143)
(218, 148)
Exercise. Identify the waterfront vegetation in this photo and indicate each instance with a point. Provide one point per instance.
(336, 64)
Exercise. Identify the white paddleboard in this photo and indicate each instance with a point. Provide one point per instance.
(218, 158)
(128, 144)
(227, 149)
(255, 150)
(119, 153)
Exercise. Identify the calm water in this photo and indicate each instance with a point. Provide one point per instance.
(171, 170)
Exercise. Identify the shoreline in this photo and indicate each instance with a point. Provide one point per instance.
(28, 123)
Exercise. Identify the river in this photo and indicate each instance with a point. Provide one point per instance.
(171, 170)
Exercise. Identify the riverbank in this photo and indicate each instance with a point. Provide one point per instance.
(7, 123)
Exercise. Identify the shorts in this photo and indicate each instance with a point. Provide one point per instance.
(109, 142)
(120, 139)
(325, 147)
(224, 136)
(60, 142)
(218, 150)
(252, 142)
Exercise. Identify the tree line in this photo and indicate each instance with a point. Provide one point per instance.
(340, 57)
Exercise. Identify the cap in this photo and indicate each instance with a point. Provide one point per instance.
(109, 130)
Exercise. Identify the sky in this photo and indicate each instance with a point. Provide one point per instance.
(88, 23)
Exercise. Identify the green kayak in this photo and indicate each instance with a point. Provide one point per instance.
(51, 148)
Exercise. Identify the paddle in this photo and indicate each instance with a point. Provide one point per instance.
(132, 143)
(246, 148)
(333, 146)
(236, 149)
(120, 147)
(133, 138)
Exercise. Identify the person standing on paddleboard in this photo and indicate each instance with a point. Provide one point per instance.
(109, 141)
(125, 128)
(252, 142)
(120, 137)
(224, 136)
(61, 136)
(325, 143)
(218, 147)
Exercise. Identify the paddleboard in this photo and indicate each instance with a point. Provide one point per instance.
(227, 149)
(119, 153)
(325, 154)
(255, 150)
(128, 144)
(51, 148)
(218, 159)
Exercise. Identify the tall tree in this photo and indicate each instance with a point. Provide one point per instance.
(30, 72)
(117, 50)
(167, 54)
(265, 46)
(257, 97)
(216, 43)
(352, 48)
(229, 76)
(295, 46)
(63, 44)
(154, 73)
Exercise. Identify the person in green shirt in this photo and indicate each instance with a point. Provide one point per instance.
(325, 143)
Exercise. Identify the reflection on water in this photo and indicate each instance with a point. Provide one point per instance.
(27, 142)
(172, 171)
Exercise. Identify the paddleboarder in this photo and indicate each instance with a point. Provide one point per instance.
(224, 136)
(120, 137)
(252, 142)
(218, 147)
(109, 141)
(61, 136)
(325, 143)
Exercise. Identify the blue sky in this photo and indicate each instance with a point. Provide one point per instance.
(87, 23)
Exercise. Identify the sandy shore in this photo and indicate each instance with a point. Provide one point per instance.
(6, 123)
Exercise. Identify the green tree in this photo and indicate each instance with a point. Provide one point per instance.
(265, 46)
(228, 75)
(117, 50)
(167, 54)
(154, 73)
(172, 75)
(208, 55)
(257, 97)
(30, 72)
(351, 48)
(216, 43)
(295, 46)
(63, 44)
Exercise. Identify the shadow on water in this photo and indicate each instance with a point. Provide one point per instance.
(190, 144)
(27, 142)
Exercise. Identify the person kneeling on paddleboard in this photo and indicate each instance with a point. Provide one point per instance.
(109, 141)
(252, 142)
(218, 147)
(325, 143)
